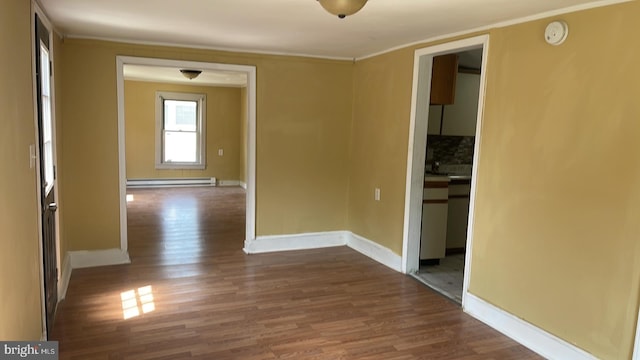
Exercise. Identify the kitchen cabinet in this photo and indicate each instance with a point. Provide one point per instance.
(458, 215)
(460, 118)
(434, 218)
(443, 79)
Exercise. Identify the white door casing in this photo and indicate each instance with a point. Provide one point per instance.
(423, 60)
(250, 71)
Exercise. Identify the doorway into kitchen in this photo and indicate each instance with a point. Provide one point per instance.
(446, 114)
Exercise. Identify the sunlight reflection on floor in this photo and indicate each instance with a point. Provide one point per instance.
(133, 302)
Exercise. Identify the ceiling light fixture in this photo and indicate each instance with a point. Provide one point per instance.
(342, 8)
(190, 74)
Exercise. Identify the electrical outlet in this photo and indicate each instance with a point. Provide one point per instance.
(220, 152)
(376, 194)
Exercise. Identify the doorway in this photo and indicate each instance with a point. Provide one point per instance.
(250, 74)
(46, 168)
(417, 158)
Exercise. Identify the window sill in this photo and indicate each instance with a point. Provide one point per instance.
(179, 166)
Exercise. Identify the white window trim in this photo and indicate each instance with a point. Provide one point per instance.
(202, 126)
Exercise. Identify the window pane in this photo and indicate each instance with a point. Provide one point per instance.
(48, 168)
(180, 147)
(180, 115)
(44, 69)
(47, 133)
(180, 128)
(46, 128)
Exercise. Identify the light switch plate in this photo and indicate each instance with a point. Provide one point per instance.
(32, 156)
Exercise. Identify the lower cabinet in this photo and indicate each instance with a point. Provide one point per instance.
(434, 231)
(458, 216)
(433, 239)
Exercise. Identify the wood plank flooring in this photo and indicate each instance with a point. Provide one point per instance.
(191, 293)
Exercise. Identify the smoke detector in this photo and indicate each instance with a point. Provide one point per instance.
(556, 32)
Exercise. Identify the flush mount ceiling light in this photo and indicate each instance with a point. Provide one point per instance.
(342, 8)
(190, 74)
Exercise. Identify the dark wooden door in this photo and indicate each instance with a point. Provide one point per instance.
(47, 171)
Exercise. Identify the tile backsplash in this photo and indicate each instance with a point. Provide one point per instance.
(450, 150)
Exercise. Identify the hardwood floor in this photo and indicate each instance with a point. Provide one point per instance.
(191, 293)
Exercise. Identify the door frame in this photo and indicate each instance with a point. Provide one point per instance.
(423, 62)
(250, 71)
(35, 159)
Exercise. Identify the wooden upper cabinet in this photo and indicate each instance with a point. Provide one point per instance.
(443, 79)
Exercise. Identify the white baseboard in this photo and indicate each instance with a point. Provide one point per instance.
(65, 277)
(263, 244)
(229, 183)
(636, 342)
(536, 339)
(92, 258)
(375, 251)
(243, 185)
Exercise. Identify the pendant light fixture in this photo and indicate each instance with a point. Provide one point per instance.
(190, 74)
(342, 8)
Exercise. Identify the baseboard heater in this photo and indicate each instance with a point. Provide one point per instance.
(172, 182)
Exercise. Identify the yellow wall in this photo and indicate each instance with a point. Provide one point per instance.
(558, 201)
(378, 154)
(20, 309)
(222, 127)
(89, 154)
(303, 124)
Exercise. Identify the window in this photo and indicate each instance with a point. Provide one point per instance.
(47, 126)
(180, 130)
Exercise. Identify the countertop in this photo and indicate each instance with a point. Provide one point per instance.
(436, 177)
(445, 177)
(459, 177)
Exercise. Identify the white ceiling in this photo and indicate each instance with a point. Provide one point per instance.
(300, 27)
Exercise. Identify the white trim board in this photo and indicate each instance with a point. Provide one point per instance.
(65, 277)
(536, 339)
(229, 183)
(271, 243)
(373, 250)
(85, 259)
(636, 342)
(93, 258)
